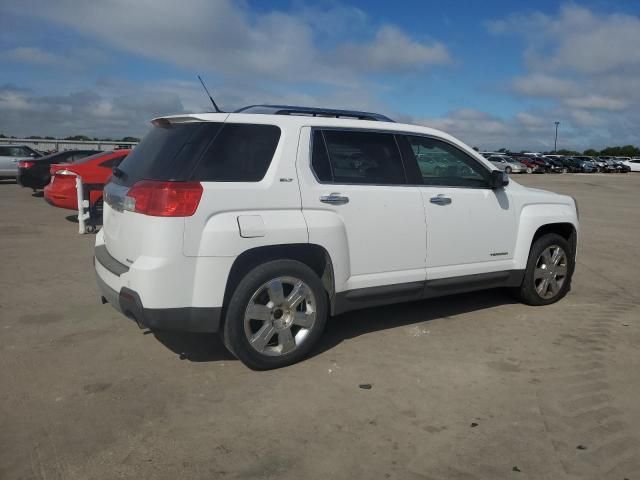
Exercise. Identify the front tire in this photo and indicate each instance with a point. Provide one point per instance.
(550, 267)
(276, 315)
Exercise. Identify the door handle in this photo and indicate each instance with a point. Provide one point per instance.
(440, 199)
(334, 199)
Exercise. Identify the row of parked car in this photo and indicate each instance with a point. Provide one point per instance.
(56, 173)
(536, 163)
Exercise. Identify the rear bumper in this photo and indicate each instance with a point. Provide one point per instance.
(29, 180)
(127, 302)
(61, 196)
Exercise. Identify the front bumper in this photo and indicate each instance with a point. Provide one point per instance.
(127, 302)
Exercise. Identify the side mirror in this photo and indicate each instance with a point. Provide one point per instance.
(499, 179)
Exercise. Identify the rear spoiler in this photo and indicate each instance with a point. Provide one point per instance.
(193, 118)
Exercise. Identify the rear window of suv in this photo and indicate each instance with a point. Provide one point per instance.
(203, 151)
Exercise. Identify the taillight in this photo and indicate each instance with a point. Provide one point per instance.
(26, 164)
(164, 199)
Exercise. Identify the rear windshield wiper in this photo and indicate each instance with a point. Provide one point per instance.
(118, 173)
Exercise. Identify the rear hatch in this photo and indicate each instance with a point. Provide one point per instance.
(168, 153)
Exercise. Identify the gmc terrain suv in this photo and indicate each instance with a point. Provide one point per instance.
(261, 223)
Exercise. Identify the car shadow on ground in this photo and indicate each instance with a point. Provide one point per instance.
(206, 347)
(360, 322)
(195, 347)
(38, 194)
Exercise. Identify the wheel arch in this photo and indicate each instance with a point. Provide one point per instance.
(539, 219)
(314, 256)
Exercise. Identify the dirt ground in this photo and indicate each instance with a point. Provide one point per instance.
(463, 387)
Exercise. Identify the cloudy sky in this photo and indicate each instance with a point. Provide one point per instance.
(493, 73)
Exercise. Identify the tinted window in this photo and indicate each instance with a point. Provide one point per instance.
(114, 162)
(358, 157)
(65, 157)
(15, 152)
(239, 153)
(320, 159)
(167, 152)
(443, 164)
(91, 157)
(76, 156)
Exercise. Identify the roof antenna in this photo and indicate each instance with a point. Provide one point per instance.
(209, 95)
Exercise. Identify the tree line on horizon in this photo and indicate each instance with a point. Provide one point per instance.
(81, 138)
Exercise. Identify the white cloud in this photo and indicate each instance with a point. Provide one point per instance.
(84, 112)
(583, 67)
(392, 50)
(542, 85)
(596, 102)
(105, 111)
(227, 38)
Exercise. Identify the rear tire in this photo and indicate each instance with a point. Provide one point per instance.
(275, 315)
(550, 267)
(507, 170)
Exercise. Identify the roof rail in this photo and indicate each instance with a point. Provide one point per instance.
(313, 112)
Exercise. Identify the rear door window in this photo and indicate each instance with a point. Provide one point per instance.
(356, 157)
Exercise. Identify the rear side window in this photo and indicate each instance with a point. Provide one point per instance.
(239, 153)
(90, 157)
(113, 162)
(14, 152)
(80, 155)
(354, 157)
(203, 151)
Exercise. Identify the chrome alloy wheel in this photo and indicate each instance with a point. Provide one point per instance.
(550, 272)
(280, 315)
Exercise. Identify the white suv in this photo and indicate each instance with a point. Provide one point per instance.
(262, 222)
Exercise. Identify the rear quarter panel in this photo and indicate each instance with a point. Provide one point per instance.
(214, 231)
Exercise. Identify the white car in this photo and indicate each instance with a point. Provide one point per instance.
(508, 164)
(9, 156)
(633, 164)
(261, 223)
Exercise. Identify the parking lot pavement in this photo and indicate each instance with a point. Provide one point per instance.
(470, 386)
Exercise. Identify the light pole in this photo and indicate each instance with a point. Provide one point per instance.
(555, 143)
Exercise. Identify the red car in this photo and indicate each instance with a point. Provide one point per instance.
(94, 171)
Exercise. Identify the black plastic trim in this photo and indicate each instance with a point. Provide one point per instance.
(405, 292)
(187, 319)
(469, 283)
(107, 261)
